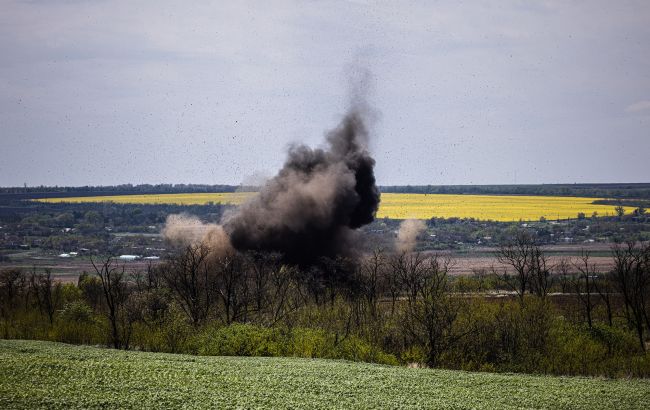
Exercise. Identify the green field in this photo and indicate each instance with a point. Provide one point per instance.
(405, 206)
(52, 375)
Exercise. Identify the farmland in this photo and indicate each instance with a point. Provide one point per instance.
(51, 375)
(404, 206)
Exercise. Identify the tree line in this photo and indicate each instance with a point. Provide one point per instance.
(613, 190)
(566, 318)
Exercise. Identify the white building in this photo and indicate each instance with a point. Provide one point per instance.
(129, 257)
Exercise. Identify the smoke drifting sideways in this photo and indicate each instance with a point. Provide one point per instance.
(407, 235)
(183, 230)
(310, 209)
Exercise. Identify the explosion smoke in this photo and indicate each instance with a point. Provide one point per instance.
(312, 207)
(408, 233)
(182, 230)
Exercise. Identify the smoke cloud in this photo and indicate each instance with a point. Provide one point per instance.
(182, 230)
(312, 207)
(408, 233)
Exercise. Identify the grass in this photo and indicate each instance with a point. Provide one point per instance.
(404, 206)
(53, 375)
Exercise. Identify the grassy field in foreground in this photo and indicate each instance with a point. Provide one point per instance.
(403, 206)
(51, 375)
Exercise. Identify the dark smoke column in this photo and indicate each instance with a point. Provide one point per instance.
(311, 208)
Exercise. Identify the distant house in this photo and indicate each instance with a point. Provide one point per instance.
(129, 257)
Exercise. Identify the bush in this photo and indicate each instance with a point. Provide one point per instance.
(251, 340)
(358, 350)
(76, 323)
(305, 342)
(238, 340)
(572, 350)
(617, 340)
(167, 331)
(601, 350)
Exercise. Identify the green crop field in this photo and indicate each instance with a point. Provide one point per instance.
(51, 375)
(405, 206)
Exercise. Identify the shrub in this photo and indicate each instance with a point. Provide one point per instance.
(238, 340)
(251, 340)
(76, 323)
(168, 333)
(617, 340)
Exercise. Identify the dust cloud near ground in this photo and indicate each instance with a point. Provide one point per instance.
(408, 233)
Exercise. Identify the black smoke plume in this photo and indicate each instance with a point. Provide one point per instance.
(312, 207)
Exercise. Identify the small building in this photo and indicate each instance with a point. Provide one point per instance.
(129, 257)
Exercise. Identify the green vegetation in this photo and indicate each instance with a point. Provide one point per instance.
(51, 375)
(387, 309)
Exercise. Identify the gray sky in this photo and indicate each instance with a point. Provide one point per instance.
(107, 92)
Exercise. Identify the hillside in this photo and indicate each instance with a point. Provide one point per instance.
(51, 375)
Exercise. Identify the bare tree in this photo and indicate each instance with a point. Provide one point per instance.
(391, 279)
(632, 277)
(563, 268)
(371, 277)
(541, 279)
(114, 288)
(584, 285)
(408, 268)
(149, 279)
(604, 286)
(431, 311)
(530, 265)
(287, 295)
(232, 286)
(192, 281)
(262, 266)
(46, 292)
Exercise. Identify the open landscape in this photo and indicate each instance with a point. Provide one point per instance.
(342, 204)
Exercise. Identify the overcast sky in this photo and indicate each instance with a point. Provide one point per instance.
(108, 92)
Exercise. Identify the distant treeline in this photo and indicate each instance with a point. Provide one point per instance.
(138, 213)
(619, 190)
(124, 189)
(614, 190)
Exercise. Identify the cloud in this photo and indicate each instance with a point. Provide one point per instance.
(221, 88)
(639, 106)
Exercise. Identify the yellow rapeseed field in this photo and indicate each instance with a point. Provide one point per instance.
(403, 206)
(233, 198)
(488, 207)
